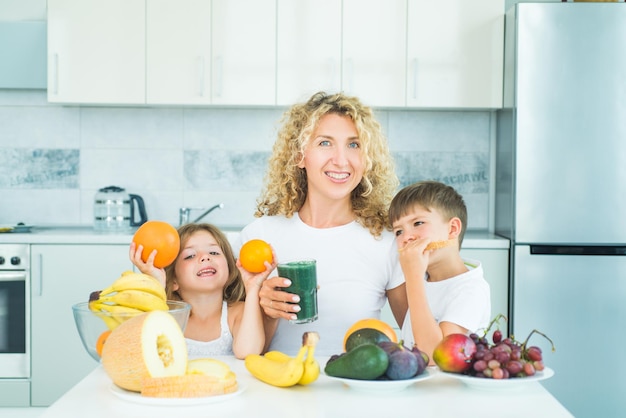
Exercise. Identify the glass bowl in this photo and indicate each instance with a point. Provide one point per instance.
(91, 325)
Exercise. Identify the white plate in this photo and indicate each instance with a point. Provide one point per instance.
(136, 397)
(384, 386)
(501, 384)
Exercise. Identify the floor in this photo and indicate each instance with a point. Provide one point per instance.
(21, 412)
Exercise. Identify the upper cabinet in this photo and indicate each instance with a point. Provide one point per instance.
(455, 53)
(374, 51)
(178, 52)
(309, 49)
(96, 51)
(244, 52)
(389, 53)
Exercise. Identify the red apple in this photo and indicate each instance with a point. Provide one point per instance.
(454, 353)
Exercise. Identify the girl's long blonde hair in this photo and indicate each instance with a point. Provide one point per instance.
(285, 188)
(234, 289)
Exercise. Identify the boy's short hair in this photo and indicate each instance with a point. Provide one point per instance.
(430, 195)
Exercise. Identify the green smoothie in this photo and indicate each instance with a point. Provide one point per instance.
(303, 278)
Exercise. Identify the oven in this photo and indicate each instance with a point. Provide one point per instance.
(14, 311)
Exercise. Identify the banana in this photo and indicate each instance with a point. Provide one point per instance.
(136, 281)
(138, 299)
(311, 366)
(112, 315)
(279, 369)
(110, 322)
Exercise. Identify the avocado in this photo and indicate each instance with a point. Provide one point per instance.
(365, 335)
(365, 362)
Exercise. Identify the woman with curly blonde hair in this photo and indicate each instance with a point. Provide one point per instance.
(327, 191)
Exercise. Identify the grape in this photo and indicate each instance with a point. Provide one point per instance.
(529, 369)
(497, 336)
(497, 373)
(534, 353)
(514, 367)
(480, 365)
(539, 366)
(503, 357)
(493, 364)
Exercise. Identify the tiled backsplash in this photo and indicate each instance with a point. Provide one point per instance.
(54, 158)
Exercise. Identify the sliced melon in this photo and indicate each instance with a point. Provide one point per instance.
(188, 386)
(208, 367)
(145, 346)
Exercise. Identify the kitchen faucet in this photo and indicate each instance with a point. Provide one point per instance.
(185, 212)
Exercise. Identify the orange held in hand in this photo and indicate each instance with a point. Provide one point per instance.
(254, 254)
(160, 236)
(374, 323)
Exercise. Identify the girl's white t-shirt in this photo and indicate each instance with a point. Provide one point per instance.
(354, 270)
(221, 346)
(464, 300)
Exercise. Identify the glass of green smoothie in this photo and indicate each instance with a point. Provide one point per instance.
(303, 276)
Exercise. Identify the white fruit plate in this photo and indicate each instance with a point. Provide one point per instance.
(501, 384)
(136, 397)
(384, 386)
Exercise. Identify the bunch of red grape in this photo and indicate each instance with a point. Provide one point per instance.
(505, 358)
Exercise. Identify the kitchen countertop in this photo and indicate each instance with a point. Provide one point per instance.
(81, 234)
(440, 396)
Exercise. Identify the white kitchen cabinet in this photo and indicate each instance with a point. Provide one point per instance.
(178, 52)
(455, 53)
(374, 51)
(62, 275)
(244, 52)
(495, 262)
(96, 51)
(308, 49)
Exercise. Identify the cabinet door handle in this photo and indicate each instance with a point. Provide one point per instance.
(55, 73)
(38, 272)
(349, 74)
(414, 65)
(332, 74)
(219, 69)
(201, 76)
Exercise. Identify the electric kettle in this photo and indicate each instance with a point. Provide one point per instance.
(114, 210)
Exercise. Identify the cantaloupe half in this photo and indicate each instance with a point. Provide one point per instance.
(147, 345)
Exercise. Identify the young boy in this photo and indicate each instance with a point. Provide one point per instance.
(446, 294)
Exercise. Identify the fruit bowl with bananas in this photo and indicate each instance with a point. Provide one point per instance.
(130, 295)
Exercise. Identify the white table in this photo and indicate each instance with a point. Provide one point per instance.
(439, 396)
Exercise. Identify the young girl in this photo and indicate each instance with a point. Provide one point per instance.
(224, 297)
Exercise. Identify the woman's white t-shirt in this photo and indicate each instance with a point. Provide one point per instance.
(464, 300)
(354, 271)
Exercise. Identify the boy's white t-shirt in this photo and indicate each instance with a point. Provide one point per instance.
(464, 300)
(354, 270)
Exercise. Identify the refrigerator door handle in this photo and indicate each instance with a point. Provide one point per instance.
(578, 249)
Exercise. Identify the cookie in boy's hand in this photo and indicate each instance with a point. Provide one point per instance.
(435, 245)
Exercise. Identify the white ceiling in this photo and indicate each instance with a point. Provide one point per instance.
(22, 10)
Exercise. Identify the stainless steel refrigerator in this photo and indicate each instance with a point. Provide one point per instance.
(561, 194)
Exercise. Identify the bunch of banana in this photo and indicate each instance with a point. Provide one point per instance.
(279, 369)
(130, 293)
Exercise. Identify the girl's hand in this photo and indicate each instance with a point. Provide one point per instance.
(147, 267)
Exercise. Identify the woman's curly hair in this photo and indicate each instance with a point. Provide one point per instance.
(285, 188)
